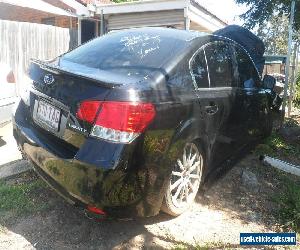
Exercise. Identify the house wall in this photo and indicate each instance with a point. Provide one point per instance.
(274, 68)
(20, 14)
(61, 5)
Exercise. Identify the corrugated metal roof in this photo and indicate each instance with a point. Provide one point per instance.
(275, 59)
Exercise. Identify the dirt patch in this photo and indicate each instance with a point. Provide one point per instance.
(242, 200)
(238, 202)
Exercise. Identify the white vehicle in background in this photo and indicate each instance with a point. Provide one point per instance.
(7, 93)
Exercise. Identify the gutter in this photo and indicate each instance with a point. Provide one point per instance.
(199, 6)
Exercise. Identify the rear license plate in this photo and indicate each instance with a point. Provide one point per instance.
(48, 115)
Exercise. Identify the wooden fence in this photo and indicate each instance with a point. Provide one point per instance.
(20, 41)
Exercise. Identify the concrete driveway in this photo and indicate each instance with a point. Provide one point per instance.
(11, 162)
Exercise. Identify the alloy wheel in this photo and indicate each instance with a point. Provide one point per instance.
(186, 176)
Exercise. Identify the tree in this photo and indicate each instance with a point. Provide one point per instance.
(274, 34)
(297, 92)
(261, 11)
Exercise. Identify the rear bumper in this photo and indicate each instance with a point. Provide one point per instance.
(116, 191)
(79, 183)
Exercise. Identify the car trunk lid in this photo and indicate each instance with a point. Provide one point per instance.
(55, 98)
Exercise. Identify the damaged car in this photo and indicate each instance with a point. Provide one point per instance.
(134, 122)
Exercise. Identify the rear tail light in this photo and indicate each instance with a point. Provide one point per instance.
(88, 111)
(116, 121)
(11, 77)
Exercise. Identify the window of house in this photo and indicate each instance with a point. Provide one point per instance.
(248, 76)
(48, 21)
(220, 64)
(199, 70)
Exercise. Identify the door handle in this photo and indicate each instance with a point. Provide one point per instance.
(211, 109)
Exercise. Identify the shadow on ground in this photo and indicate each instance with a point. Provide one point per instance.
(239, 200)
(62, 226)
(233, 204)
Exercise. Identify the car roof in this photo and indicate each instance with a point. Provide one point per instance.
(188, 36)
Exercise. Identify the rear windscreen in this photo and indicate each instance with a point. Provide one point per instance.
(127, 50)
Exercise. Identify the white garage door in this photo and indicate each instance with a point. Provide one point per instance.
(133, 20)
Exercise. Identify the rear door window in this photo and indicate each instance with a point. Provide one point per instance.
(248, 76)
(220, 64)
(199, 70)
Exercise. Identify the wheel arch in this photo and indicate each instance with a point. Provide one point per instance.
(190, 131)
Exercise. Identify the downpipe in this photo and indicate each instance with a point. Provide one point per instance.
(281, 165)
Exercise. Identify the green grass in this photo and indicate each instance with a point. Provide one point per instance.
(276, 145)
(289, 204)
(19, 199)
(288, 200)
(296, 101)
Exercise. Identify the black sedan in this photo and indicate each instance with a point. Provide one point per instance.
(136, 120)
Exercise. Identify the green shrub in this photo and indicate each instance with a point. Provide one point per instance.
(297, 92)
(275, 145)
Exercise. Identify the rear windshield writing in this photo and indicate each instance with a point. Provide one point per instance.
(126, 50)
(142, 45)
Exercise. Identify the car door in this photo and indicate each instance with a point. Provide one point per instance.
(250, 96)
(212, 71)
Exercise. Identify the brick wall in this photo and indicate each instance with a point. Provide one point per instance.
(60, 4)
(20, 14)
(65, 22)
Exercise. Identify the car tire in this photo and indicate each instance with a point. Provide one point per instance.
(184, 180)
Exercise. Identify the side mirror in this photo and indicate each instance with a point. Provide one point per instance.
(269, 82)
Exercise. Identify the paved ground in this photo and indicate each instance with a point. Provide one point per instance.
(8, 147)
(11, 162)
(14, 168)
